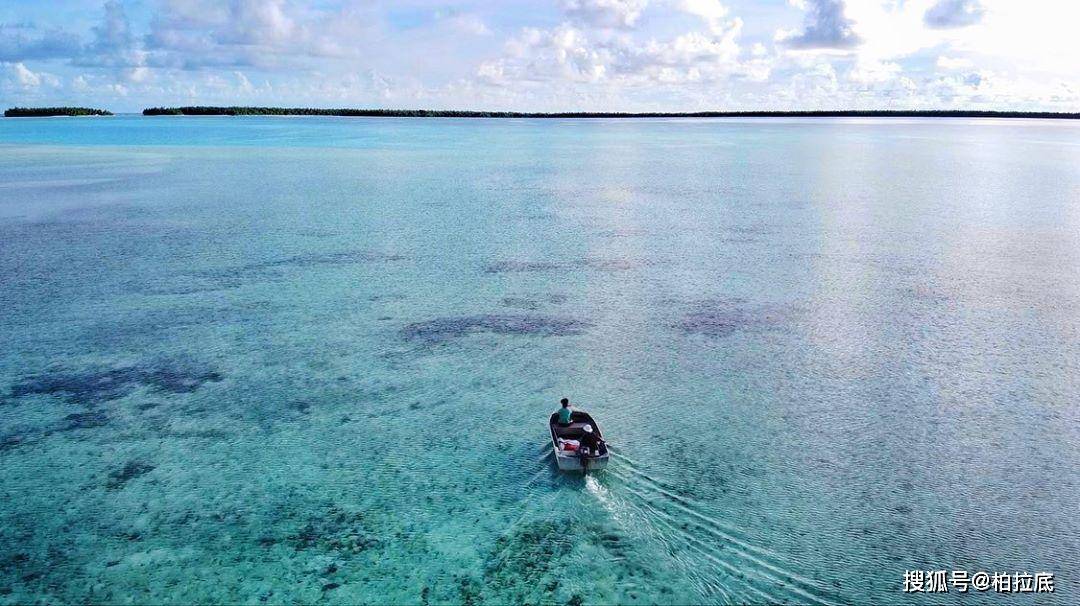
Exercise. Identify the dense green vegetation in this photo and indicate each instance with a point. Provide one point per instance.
(35, 112)
(428, 113)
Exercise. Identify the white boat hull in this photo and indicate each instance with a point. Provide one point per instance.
(568, 460)
(573, 462)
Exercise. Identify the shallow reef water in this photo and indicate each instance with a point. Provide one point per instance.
(500, 324)
(90, 386)
(131, 470)
(520, 266)
(724, 318)
(311, 360)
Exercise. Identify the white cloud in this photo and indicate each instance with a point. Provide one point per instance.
(115, 46)
(869, 71)
(605, 13)
(953, 63)
(258, 23)
(467, 24)
(25, 77)
(619, 61)
(954, 13)
(712, 12)
(192, 34)
(826, 27)
(815, 84)
(598, 54)
(19, 77)
(27, 42)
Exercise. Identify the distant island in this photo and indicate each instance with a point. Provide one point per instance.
(429, 113)
(38, 112)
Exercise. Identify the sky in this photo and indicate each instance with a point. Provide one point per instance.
(543, 55)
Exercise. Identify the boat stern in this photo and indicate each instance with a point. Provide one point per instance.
(573, 463)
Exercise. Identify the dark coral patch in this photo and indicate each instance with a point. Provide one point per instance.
(10, 441)
(338, 530)
(235, 276)
(501, 267)
(524, 560)
(724, 318)
(191, 285)
(348, 257)
(926, 293)
(79, 387)
(84, 420)
(521, 303)
(302, 407)
(103, 384)
(612, 264)
(597, 264)
(118, 478)
(447, 328)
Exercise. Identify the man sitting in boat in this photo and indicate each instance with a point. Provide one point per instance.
(565, 413)
(590, 443)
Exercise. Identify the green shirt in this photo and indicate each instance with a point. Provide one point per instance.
(564, 415)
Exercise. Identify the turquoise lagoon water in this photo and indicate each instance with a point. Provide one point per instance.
(299, 360)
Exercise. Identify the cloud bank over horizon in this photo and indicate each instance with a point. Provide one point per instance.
(544, 55)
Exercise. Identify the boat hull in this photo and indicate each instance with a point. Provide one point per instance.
(573, 463)
(569, 460)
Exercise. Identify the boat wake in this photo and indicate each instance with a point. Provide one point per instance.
(722, 562)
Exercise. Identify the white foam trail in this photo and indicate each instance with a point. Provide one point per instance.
(756, 556)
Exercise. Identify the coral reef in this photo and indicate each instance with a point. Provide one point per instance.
(452, 327)
(94, 385)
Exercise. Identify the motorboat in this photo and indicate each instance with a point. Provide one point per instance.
(566, 442)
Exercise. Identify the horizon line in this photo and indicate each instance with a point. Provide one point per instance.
(242, 110)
